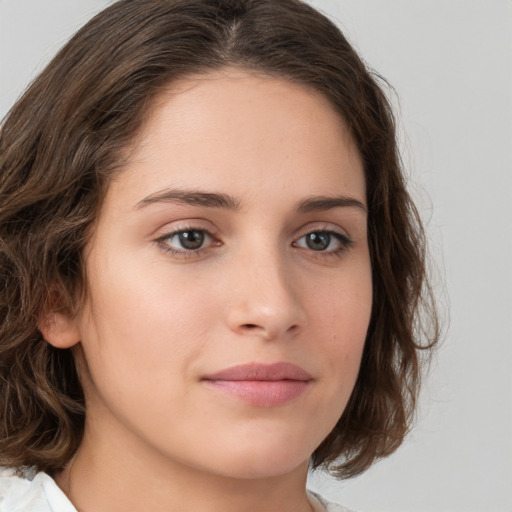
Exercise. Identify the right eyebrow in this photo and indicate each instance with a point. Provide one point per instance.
(191, 197)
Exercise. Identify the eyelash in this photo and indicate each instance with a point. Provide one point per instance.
(344, 241)
(185, 253)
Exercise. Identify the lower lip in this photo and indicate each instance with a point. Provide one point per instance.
(262, 393)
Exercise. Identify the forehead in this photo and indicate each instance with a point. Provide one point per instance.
(245, 131)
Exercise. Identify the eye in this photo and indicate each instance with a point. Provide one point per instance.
(186, 240)
(324, 241)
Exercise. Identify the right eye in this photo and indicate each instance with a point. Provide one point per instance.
(186, 241)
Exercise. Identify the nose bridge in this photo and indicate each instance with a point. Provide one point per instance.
(266, 301)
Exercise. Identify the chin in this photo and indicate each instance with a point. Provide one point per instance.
(269, 462)
(260, 470)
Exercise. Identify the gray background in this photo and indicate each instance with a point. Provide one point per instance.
(450, 62)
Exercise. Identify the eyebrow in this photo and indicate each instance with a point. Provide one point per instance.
(225, 201)
(322, 203)
(192, 197)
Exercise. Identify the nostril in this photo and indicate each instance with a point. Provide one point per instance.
(250, 326)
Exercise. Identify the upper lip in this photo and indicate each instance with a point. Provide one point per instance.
(263, 372)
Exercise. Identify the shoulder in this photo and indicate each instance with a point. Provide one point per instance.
(31, 492)
(322, 505)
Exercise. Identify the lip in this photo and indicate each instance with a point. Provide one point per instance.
(263, 385)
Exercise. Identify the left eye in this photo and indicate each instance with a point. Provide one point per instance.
(187, 240)
(326, 241)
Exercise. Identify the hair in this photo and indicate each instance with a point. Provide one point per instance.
(64, 139)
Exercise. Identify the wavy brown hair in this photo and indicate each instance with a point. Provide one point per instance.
(63, 140)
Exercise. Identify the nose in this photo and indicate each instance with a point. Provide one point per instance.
(266, 300)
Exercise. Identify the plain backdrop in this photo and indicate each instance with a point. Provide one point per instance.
(450, 62)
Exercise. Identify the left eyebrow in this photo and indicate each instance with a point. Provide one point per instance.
(322, 203)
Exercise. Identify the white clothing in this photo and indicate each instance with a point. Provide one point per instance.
(34, 493)
(39, 493)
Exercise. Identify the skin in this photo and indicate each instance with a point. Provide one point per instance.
(156, 322)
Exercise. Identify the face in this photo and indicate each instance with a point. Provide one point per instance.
(229, 280)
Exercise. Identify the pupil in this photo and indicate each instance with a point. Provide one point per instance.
(318, 241)
(191, 239)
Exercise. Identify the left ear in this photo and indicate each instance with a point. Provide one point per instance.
(59, 329)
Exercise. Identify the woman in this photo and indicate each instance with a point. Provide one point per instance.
(212, 272)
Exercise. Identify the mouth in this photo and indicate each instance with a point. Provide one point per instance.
(263, 385)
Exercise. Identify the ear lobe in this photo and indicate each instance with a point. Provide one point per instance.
(59, 329)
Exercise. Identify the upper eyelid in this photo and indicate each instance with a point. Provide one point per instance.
(321, 226)
(343, 238)
(212, 232)
(195, 225)
(171, 228)
(174, 232)
(183, 253)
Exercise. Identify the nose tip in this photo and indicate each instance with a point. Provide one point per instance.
(267, 305)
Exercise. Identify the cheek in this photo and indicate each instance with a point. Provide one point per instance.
(144, 321)
(340, 317)
(340, 314)
(343, 305)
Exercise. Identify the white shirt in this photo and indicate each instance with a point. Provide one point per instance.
(39, 493)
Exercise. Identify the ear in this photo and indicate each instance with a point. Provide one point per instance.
(59, 329)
